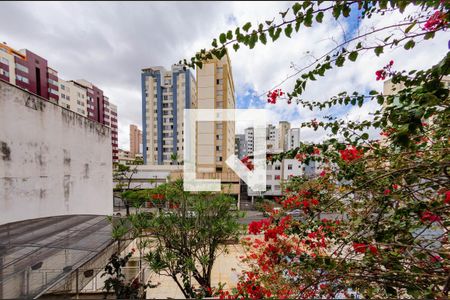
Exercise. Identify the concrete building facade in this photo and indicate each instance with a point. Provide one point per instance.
(31, 72)
(165, 95)
(52, 161)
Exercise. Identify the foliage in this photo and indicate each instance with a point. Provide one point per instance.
(387, 201)
(184, 242)
(116, 279)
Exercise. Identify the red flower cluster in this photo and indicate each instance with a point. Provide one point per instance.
(381, 74)
(256, 227)
(428, 216)
(387, 192)
(157, 196)
(362, 248)
(435, 21)
(316, 151)
(350, 154)
(247, 162)
(273, 95)
(388, 131)
(300, 156)
(447, 197)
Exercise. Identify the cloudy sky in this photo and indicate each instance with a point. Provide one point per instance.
(109, 43)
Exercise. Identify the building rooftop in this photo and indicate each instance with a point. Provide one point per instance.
(38, 255)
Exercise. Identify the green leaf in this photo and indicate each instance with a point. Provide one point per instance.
(353, 55)
(268, 23)
(262, 38)
(247, 26)
(380, 99)
(296, 8)
(336, 10)
(378, 50)
(365, 136)
(408, 29)
(410, 44)
(346, 11)
(214, 43)
(429, 35)
(288, 30)
(222, 38)
(373, 92)
(359, 45)
(319, 17)
(340, 61)
(236, 47)
(229, 35)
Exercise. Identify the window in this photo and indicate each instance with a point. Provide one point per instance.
(23, 79)
(63, 87)
(289, 167)
(63, 96)
(21, 68)
(218, 148)
(277, 187)
(52, 82)
(219, 158)
(277, 167)
(4, 60)
(268, 177)
(3, 72)
(219, 81)
(268, 187)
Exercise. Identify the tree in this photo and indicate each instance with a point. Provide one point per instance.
(117, 282)
(123, 176)
(388, 200)
(174, 158)
(185, 241)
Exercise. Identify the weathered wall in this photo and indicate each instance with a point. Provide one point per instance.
(52, 160)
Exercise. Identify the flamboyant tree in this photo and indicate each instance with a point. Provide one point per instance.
(375, 220)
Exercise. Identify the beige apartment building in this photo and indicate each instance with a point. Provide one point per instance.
(284, 127)
(215, 140)
(73, 96)
(165, 95)
(135, 140)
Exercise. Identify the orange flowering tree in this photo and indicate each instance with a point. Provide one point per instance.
(375, 221)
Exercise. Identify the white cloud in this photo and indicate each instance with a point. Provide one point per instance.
(108, 44)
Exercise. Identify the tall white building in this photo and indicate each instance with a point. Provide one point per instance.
(250, 139)
(165, 95)
(292, 139)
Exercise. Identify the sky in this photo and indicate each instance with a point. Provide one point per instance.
(108, 43)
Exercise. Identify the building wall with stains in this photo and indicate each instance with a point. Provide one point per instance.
(52, 161)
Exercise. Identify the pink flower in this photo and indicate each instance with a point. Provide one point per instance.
(435, 21)
(387, 192)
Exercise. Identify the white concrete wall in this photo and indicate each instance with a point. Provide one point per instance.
(52, 160)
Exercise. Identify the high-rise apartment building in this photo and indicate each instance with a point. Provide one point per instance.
(73, 96)
(273, 139)
(215, 90)
(28, 71)
(135, 140)
(292, 138)
(98, 108)
(250, 138)
(240, 146)
(114, 132)
(31, 72)
(284, 126)
(165, 95)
